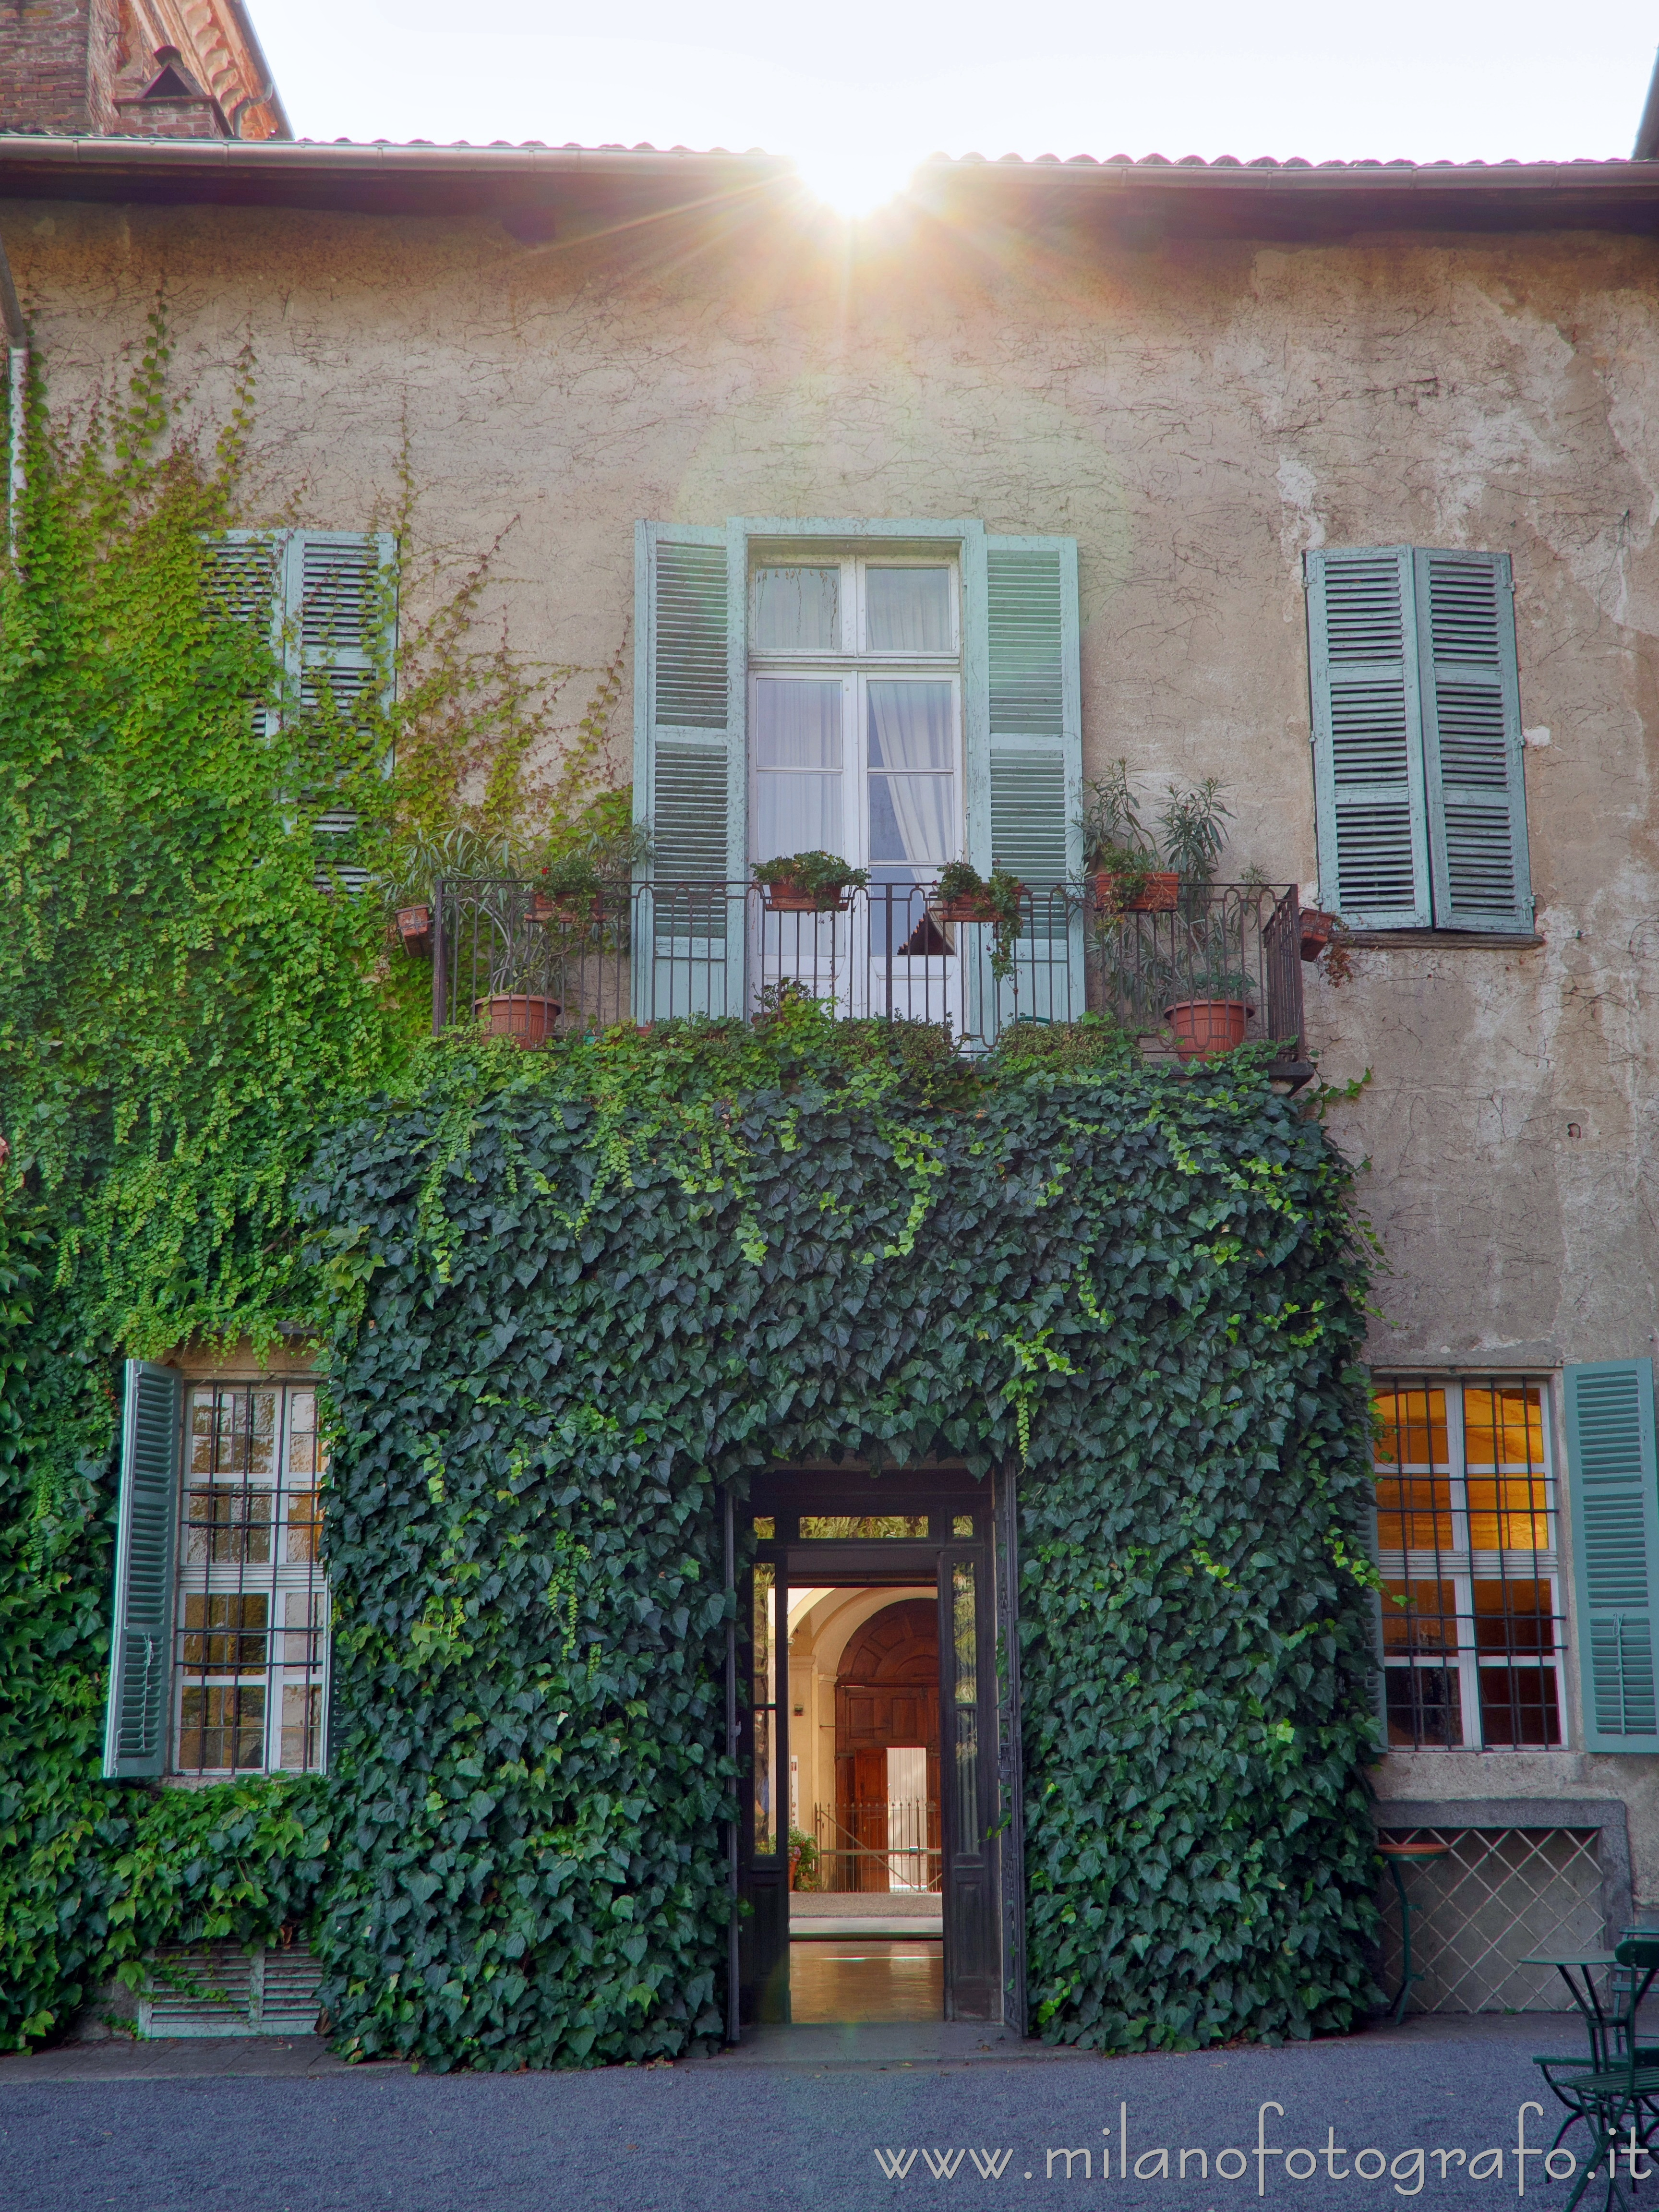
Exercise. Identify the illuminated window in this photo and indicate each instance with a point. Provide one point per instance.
(250, 1624)
(1465, 1540)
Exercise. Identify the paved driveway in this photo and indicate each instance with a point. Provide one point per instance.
(1431, 2113)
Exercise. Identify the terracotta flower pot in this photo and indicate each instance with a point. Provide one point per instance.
(967, 909)
(574, 910)
(785, 898)
(1317, 929)
(526, 1017)
(414, 927)
(1204, 1026)
(1161, 896)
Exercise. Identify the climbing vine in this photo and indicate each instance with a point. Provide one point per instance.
(565, 1295)
(187, 994)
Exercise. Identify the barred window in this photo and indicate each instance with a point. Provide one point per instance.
(250, 1634)
(1471, 1620)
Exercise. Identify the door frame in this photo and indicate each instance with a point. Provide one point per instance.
(984, 1923)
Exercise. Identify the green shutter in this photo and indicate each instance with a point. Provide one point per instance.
(690, 777)
(243, 571)
(1368, 788)
(338, 586)
(141, 1656)
(1613, 1475)
(338, 613)
(1029, 787)
(1471, 747)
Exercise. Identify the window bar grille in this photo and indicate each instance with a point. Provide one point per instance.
(1473, 1626)
(251, 1660)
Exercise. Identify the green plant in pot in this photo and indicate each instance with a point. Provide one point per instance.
(809, 883)
(1211, 994)
(1118, 854)
(803, 1859)
(961, 893)
(585, 882)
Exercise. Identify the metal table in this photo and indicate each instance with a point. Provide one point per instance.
(1583, 1993)
(1397, 1856)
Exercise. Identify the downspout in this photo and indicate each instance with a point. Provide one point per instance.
(17, 384)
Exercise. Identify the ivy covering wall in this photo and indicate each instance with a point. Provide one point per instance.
(571, 1293)
(580, 1290)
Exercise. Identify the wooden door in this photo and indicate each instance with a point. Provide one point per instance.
(886, 1698)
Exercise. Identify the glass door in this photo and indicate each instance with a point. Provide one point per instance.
(967, 1726)
(855, 749)
(813, 1533)
(763, 1849)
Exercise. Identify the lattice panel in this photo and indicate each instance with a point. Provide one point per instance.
(1501, 1895)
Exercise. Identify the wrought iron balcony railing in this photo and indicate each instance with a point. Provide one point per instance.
(1219, 968)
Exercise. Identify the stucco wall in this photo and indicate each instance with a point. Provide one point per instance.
(1196, 415)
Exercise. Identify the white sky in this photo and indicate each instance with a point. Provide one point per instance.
(879, 83)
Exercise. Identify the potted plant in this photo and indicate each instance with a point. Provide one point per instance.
(415, 863)
(526, 1017)
(568, 893)
(808, 883)
(584, 880)
(803, 1859)
(1118, 854)
(1209, 1006)
(1194, 832)
(961, 893)
(1318, 928)
(414, 927)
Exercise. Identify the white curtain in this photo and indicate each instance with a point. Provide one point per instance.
(907, 610)
(798, 751)
(913, 782)
(796, 610)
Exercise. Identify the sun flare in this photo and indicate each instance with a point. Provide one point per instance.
(855, 179)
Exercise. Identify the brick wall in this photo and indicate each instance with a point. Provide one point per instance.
(81, 68)
(44, 67)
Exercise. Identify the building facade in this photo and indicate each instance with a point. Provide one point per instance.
(1334, 483)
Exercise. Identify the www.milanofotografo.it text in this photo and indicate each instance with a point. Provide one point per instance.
(1118, 2158)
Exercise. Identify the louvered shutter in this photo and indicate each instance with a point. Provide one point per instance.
(243, 572)
(1471, 747)
(338, 615)
(1613, 1475)
(1368, 737)
(1029, 788)
(141, 1668)
(338, 637)
(688, 774)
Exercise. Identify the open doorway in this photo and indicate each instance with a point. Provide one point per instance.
(870, 1729)
(867, 1926)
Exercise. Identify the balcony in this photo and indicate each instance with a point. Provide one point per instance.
(1222, 967)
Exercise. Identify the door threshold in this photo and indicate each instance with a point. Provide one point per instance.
(888, 2043)
(900, 1929)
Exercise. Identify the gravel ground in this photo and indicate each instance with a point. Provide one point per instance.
(796, 2122)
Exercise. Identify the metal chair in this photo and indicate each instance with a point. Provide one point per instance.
(1617, 2095)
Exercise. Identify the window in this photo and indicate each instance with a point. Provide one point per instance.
(901, 693)
(855, 713)
(1415, 699)
(252, 1622)
(1472, 1618)
(219, 1643)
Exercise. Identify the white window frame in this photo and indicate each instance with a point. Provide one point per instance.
(278, 1579)
(855, 664)
(1463, 1567)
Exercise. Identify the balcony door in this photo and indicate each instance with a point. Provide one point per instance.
(856, 748)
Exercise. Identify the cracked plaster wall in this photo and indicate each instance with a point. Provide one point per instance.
(1196, 415)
